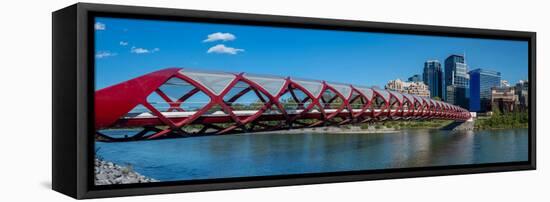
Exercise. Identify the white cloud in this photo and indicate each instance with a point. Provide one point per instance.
(143, 50)
(220, 36)
(139, 50)
(222, 49)
(104, 54)
(123, 43)
(100, 26)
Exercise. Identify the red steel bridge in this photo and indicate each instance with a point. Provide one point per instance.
(178, 102)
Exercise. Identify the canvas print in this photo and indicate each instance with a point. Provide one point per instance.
(181, 101)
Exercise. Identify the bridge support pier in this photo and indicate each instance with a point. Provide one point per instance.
(460, 125)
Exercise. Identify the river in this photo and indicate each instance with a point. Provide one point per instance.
(243, 155)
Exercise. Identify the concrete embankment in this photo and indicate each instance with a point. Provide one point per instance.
(460, 126)
(109, 173)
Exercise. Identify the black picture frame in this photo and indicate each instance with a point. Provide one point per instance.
(73, 91)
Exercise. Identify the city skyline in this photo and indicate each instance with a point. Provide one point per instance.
(126, 48)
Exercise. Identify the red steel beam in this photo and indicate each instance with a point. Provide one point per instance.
(114, 102)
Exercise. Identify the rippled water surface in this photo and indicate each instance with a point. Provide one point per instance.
(275, 154)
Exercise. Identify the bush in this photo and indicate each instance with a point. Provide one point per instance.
(504, 120)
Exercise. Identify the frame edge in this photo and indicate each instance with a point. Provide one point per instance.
(81, 181)
(64, 157)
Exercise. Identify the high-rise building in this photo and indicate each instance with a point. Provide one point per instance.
(418, 88)
(395, 85)
(433, 77)
(413, 88)
(457, 81)
(522, 91)
(481, 82)
(504, 83)
(450, 94)
(415, 78)
(504, 99)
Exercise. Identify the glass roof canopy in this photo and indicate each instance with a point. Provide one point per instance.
(344, 89)
(312, 86)
(273, 85)
(217, 82)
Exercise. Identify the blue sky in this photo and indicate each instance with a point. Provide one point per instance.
(127, 48)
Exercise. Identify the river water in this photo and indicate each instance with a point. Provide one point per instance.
(244, 155)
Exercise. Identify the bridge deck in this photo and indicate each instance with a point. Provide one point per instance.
(149, 119)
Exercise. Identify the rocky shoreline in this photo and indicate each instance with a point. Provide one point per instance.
(107, 173)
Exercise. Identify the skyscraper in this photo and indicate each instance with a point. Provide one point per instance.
(457, 81)
(433, 77)
(522, 91)
(415, 78)
(481, 82)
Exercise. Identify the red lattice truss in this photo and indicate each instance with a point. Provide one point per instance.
(114, 102)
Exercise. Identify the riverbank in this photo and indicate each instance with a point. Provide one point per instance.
(503, 121)
(410, 124)
(107, 173)
(394, 126)
(334, 130)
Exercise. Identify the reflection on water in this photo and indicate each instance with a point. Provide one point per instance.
(275, 154)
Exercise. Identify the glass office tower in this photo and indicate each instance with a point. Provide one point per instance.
(481, 82)
(433, 77)
(457, 81)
